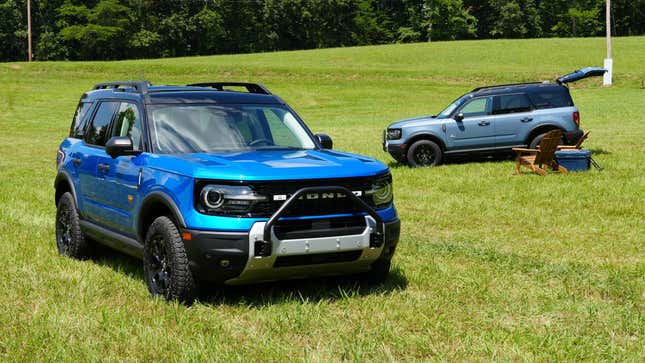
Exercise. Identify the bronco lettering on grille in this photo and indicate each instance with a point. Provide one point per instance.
(313, 196)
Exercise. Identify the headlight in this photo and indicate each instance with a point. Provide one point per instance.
(224, 198)
(381, 192)
(393, 134)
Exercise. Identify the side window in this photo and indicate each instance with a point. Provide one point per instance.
(512, 104)
(128, 123)
(77, 130)
(97, 132)
(551, 98)
(280, 130)
(477, 107)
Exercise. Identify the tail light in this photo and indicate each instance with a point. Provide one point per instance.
(576, 118)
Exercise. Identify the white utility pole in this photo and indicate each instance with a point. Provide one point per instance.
(609, 62)
(29, 55)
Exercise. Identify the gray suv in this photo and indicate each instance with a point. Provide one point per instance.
(489, 120)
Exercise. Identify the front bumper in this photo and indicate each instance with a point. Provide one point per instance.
(259, 255)
(396, 148)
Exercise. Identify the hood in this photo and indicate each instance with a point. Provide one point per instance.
(269, 165)
(415, 121)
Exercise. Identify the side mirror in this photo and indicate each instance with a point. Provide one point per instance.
(459, 117)
(120, 146)
(325, 141)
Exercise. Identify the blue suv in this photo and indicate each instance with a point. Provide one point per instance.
(489, 120)
(217, 182)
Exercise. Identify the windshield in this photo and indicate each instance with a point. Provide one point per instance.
(218, 128)
(453, 106)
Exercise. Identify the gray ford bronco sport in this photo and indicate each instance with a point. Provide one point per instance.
(488, 120)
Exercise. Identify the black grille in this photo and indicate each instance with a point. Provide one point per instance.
(316, 259)
(312, 228)
(306, 206)
(318, 206)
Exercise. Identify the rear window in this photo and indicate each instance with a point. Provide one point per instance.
(551, 98)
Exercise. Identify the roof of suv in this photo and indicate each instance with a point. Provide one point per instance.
(214, 92)
(516, 87)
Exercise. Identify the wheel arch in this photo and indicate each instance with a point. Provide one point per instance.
(425, 136)
(62, 184)
(155, 205)
(540, 130)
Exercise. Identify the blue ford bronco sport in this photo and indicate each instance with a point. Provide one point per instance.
(217, 182)
(489, 120)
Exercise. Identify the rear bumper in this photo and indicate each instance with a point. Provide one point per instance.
(572, 137)
(229, 257)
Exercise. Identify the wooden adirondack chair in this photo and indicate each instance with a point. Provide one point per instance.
(578, 144)
(544, 155)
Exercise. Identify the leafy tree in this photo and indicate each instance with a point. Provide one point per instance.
(13, 33)
(96, 33)
(515, 19)
(449, 20)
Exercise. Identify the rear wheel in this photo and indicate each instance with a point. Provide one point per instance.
(536, 141)
(70, 240)
(424, 153)
(165, 264)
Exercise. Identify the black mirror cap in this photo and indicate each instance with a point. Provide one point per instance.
(459, 117)
(119, 146)
(325, 140)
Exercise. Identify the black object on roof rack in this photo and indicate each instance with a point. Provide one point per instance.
(139, 86)
(250, 87)
(508, 85)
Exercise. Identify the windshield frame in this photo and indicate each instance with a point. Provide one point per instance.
(150, 125)
(456, 103)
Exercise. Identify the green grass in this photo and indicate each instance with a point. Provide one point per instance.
(490, 265)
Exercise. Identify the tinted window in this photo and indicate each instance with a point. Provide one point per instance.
(78, 123)
(96, 135)
(128, 123)
(477, 107)
(220, 128)
(512, 103)
(552, 98)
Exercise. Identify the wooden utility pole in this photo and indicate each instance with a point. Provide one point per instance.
(609, 62)
(29, 55)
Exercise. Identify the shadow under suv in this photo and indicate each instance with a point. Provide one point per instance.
(489, 119)
(207, 183)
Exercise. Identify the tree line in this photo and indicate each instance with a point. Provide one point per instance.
(120, 29)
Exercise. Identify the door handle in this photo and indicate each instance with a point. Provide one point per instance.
(76, 161)
(527, 119)
(104, 167)
(484, 123)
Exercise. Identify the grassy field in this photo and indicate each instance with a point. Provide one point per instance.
(490, 265)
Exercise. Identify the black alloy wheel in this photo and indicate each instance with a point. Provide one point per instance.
(424, 153)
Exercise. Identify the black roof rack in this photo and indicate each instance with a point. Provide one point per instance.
(508, 85)
(139, 86)
(250, 87)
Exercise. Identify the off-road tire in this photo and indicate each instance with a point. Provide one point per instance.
(379, 272)
(424, 153)
(536, 141)
(165, 263)
(70, 239)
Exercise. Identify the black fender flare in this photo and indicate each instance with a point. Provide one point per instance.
(63, 176)
(158, 196)
(533, 133)
(427, 135)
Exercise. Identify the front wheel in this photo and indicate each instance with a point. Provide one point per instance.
(70, 239)
(379, 272)
(424, 153)
(165, 263)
